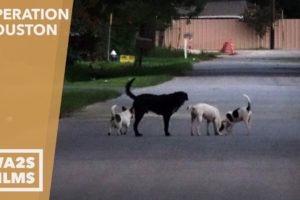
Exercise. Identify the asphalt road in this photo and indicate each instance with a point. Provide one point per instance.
(265, 165)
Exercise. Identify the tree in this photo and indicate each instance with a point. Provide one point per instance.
(148, 16)
(290, 7)
(132, 20)
(87, 37)
(259, 19)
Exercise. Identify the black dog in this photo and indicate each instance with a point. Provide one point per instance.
(164, 105)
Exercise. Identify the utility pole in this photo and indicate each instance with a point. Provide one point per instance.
(272, 34)
(282, 27)
(109, 32)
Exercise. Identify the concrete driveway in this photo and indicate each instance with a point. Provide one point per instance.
(265, 165)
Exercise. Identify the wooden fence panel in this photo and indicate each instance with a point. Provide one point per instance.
(287, 34)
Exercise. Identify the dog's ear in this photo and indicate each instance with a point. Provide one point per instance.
(229, 117)
(124, 108)
(186, 96)
(131, 110)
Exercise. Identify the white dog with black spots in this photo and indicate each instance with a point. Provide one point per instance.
(120, 121)
(241, 114)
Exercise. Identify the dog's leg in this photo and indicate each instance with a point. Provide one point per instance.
(216, 127)
(250, 120)
(247, 122)
(119, 131)
(207, 127)
(127, 127)
(192, 124)
(192, 128)
(198, 125)
(198, 128)
(109, 132)
(125, 130)
(138, 118)
(247, 126)
(166, 124)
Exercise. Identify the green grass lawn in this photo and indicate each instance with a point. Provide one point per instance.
(76, 98)
(79, 94)
(90, 82)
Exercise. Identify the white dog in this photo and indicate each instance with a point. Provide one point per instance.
(240, 114)
(120, 120)
(208, 112)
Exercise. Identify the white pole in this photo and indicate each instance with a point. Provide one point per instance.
(109, 32)
(185, 47)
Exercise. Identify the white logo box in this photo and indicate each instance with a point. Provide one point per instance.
(26, 189)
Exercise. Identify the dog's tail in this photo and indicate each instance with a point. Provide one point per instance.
(249, 102)
(113, 110)
(127, 89)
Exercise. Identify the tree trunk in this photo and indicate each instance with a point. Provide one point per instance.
(139, 60)
(260, 42)
(145, 41)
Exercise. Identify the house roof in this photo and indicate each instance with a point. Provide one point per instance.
(222, 9)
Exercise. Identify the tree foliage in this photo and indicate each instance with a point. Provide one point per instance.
(259, 19)
(131, 18)
(290, 7)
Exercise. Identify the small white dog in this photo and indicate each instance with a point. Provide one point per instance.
(208, 112)
(120, 121)
(240, 114)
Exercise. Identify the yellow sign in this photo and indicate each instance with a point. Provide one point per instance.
(127, 59)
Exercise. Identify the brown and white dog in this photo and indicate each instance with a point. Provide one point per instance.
(238, 115)
(120, 121)
(208, 112)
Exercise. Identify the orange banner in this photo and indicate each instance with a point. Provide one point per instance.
(33, 45)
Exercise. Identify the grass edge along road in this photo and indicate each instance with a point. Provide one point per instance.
(90, 82)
